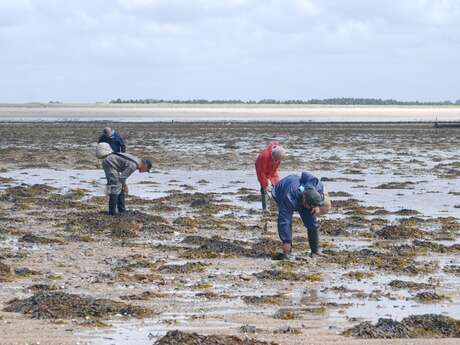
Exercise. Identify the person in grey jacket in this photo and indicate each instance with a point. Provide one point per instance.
(118, 167)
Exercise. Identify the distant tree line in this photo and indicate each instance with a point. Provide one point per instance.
(327, 101)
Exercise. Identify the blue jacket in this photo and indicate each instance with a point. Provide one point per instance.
(287, 195)
(115, 141)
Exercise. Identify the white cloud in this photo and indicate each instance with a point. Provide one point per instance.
(309, 7)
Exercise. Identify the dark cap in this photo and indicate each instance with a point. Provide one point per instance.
(148, 164)
(312, 197)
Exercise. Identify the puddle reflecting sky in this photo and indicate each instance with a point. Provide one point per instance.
(429, 195)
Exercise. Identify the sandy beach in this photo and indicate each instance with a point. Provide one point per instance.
(177, 112)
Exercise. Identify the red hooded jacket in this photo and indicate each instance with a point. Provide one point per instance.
(267, 167)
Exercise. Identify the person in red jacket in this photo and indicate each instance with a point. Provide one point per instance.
(267, 169)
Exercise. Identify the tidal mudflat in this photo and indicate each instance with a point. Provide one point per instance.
(192, 261)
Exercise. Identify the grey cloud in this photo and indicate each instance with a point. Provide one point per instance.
(98, 49)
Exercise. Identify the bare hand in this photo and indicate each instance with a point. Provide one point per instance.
(314, 211)
(125, 188)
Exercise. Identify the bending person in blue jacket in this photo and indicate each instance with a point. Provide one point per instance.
(304, 194)
(113, 138)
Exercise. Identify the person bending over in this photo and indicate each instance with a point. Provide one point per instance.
(304, 194)
(267, 168)
(118, 167)
(113, 138)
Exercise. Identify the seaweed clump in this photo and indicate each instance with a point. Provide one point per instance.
(295, 314)
(421, 268)
(187, 222)
(203, 203)
(144, 296)
(358, 275)
(414, 326)
(334, 227)
(437, 247)
(180, 338)
(265, 248)
(352, 206)
(288, 314)
(288, 275)
(60, 305)
(384, 328)
(25, 192)
(401, 284)
(125, 229)
(213, 247)
(6, 273)
(125, 226)
(31, 238)
(268, 299)
(396, 232)
(250, 197)
(288, 330)
(41, 287)
(396, 185)
(371, 258)
(406, 212)
(189, 267)
(400, 261)
(454, 269)
(430, 297)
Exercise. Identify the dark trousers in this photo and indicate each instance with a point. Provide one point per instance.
(310, 222)
(117, 201)
(121, 202)
(312, 225)
(264, 196)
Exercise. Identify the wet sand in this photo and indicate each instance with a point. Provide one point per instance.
(197, 250)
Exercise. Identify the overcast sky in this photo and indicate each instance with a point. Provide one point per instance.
(97, 50)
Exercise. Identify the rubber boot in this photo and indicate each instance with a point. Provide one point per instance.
(121, 203)
(113, 199)
(313, 240)
(264, 199)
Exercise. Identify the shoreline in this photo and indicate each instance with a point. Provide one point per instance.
(376, 123)
(228, 113)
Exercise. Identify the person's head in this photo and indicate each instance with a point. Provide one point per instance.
(278, 153)
(107, 131)
(310, 198)
(145, 166)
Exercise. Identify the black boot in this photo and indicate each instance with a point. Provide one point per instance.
(113, 199)
(263, 194)
(121, 202)
(313, 240)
